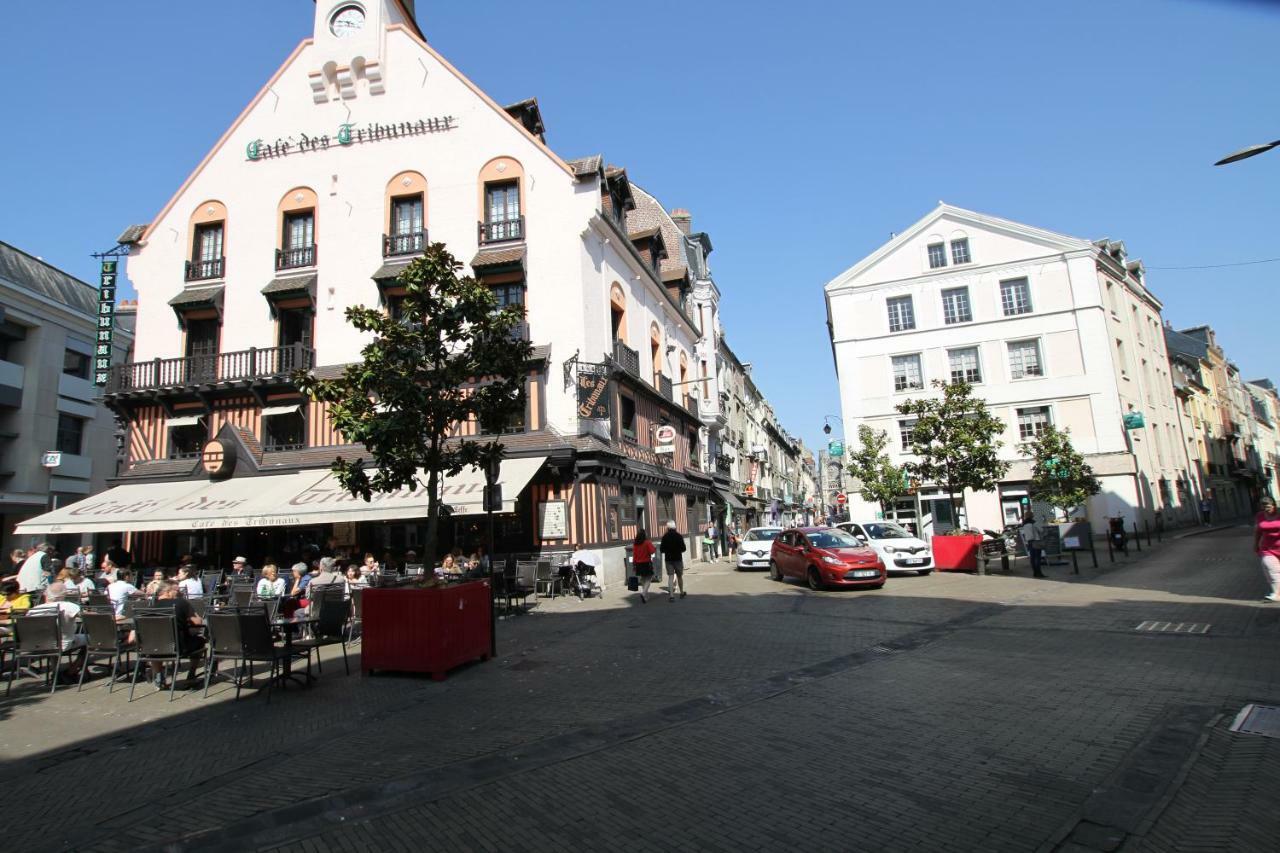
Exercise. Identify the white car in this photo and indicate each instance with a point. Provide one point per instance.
(900, 550)
(755, 547)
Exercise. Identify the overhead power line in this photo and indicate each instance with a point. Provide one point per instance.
(1220, 266)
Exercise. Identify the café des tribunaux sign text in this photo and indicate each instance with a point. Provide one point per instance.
(347, 135)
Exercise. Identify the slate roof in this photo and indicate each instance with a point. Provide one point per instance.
(292, 284)
(650, 214)
(500, 256)
(391, 269)
(198, 295)
(47, 280)
(584, 166)
(132, 234)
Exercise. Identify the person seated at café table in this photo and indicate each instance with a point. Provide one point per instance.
(297, 584)
(270, 585)
(120, 589)
(240, 567)
(188, 583)
(157, 580)
(448, 566)
(190, 642)
(355, 578)
(77, 580)
(13, 602)
(67, 612)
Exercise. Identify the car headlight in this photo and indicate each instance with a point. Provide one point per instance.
(890, 549)
(835, 561)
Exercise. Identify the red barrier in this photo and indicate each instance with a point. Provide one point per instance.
(425, 630)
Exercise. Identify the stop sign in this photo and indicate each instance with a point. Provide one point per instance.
(841, 499)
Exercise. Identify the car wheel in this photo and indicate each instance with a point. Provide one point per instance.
(774, 571)
(815, 580)
(924, 572)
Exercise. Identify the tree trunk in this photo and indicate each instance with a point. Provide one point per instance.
(433, 517)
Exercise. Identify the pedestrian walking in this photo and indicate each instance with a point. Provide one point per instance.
(1030, 534)
(673, 549)
(642, 552)
(709, 542)
(1266, 544)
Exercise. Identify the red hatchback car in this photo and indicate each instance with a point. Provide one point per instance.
(825, 557)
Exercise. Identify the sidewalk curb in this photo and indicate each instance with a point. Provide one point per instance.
(1212, 529)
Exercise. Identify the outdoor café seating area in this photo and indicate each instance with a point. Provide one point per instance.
(217, 627)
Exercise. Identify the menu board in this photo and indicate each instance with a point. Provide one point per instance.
(553, 520)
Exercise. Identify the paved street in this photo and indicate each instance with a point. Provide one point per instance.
(950, 712)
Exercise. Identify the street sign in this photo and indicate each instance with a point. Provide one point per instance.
(51, 458)
(1134, 420)
(835, 447)
(842, 499)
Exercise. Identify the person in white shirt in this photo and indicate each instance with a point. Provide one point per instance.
(31, 575)
(119, 590)
(77, 580)
(270, 586)
(67, 613)
(188, 582)
(1030, 534)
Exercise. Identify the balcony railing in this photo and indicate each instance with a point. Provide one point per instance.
(502, 231)
(303, 256)
(664, 387)
(724, 464)
(627, 358)
(270, 362)
(403, 244)
(199, 270)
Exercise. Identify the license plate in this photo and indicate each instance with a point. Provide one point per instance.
(866, 573)
(914, 562)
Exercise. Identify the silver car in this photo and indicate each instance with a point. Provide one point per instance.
(753, 550)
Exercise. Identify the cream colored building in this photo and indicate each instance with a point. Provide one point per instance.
(1050, 329)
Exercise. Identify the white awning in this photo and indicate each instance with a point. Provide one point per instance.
(185, 420)
(283, 500)
(268, 411)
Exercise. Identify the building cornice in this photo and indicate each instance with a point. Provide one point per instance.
(944, 275)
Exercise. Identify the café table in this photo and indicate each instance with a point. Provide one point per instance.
(287, 625)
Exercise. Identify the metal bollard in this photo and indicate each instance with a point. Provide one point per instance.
(1147, 526)
(1137, 537)
(1111, 551)
(1075, 563)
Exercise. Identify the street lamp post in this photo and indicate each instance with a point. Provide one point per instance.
(826, 429)
(1246, 153)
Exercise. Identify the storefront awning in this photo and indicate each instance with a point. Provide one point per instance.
(729, 499)
(284, 500)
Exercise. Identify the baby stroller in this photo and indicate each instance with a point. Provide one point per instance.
(579, 574)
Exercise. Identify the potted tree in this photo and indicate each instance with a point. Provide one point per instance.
(955, 443)
(1060, 476)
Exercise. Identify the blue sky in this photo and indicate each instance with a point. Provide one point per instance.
(799, 135)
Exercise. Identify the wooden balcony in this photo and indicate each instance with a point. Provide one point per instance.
(271, 363)
(627, 358)
(665, 388)
(691, 403)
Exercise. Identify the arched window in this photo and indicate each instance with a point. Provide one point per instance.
(501, 201)
(618, 312)
(297, 217)
(405, 212)
(207, 251)
(655, 350)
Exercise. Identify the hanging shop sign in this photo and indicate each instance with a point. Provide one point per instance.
(218, 459)
(664, 440)
(835, 448)
(1134, 420)
(106, 321)
(347, 135)
(594, 402)
(51, 458)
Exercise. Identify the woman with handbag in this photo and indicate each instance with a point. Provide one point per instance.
(642, 552)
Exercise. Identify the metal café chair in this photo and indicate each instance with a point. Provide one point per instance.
(526, 581)
(103, 643)
(330, 629)
(224, 644)
(258, 646)
(38, 638)
(548, 579)
(157, 633)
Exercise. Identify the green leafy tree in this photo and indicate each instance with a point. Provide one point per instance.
(955, 441)
(1060, 476)
(879, 479)
(449, 357)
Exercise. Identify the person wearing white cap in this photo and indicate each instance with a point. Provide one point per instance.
(240, 566)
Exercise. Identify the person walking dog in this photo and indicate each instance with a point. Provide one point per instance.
(642, 552)
(1266, 544)
(673, 549)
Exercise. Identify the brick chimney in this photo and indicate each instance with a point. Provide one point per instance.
(683, 220)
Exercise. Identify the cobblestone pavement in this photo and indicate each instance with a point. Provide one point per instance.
(948, 712)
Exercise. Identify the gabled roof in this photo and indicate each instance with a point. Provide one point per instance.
(44, 279)
(1052, 239)
(584, 166)
(527, 113)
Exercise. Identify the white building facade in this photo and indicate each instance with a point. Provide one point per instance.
(1049, 329)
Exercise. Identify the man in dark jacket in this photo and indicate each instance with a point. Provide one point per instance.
(672, 549)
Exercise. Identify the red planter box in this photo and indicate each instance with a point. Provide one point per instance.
(956, 553)
(425, 630)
